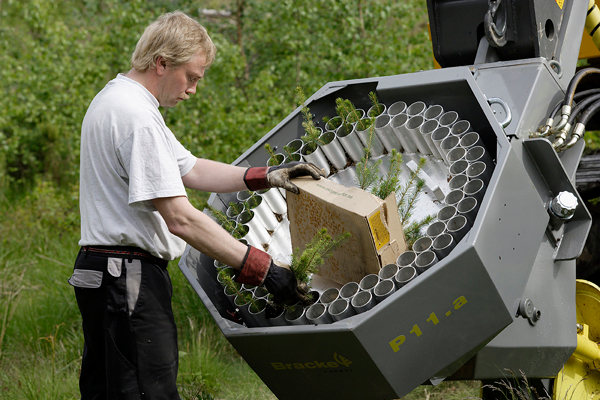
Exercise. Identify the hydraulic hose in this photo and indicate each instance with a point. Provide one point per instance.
(575, 81)
(589, 112)
(579, 107)
(579, 129)
(592, 23)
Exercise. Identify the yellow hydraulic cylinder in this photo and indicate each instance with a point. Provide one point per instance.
(592, 22)
(587, 350)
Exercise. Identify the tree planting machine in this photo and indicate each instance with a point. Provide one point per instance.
(495, 294)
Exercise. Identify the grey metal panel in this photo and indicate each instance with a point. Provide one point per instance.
(509, 227)
(435, 332)
(521, 85)
(314, 365)
(540, 350)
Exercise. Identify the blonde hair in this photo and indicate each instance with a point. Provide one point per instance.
(174, 36)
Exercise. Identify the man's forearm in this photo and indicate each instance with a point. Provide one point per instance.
(214, 176)
(200, 231)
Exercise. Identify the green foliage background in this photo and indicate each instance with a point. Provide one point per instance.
(56, 56)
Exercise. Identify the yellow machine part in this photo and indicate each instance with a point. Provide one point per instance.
(591, 44)
(580, 376)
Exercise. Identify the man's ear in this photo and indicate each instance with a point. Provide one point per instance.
(160, 65)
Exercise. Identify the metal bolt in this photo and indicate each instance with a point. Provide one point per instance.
(563, 205)
(579, 328)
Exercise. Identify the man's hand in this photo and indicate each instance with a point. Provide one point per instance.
(258, 268)
(282, 282)
(280, 175)
(257, 178)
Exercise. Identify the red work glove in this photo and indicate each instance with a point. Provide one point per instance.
(257, 178)
(258, 268)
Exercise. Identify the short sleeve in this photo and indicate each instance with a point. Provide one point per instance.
(152, 167)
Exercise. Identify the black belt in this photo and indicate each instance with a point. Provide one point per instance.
(125, 252)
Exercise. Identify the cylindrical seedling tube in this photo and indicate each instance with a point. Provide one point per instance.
(362, 301)
(413, 126)
(234, 210)
(442, 245)
(243, 195)
(376, 110)
(350, 142)
(275, 315)
(293, 157)
(478, 153)
(396, 108)
(355, 116)
(257, 313)
(448, 118)
(425, 260)
(437, 137)
(368, 282)
(329, 295)
(416, 108)
(333, 123)
(433, 112)
(340, 309)
(349, 290)
(405, 275)
(384, 289)
(426, 130)
(398, 124)
(293, 146)
(478, 170)
(468, 207)
(260, 292)
(262, 211)
(454, 197)
(368, 134)
(242, 233)
(275, 200)
(470, 139)
(317, 314)
(474, 188)
(435, 229)
(458, 181)
(275, 159)
(446, 213)
(422, 244)
(388, 271)
(448, 144)
(313, 154)
(460, 127)
(386, 134)
(458, 226)
(296, 315)
(333, 149)
(406, 259)
(458, 167)
(457, 153)
(256, 226)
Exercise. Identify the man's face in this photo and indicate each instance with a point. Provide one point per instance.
(177, 83)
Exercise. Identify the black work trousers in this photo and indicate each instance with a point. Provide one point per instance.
(130, 349)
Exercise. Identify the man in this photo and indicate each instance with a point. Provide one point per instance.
(135, 216)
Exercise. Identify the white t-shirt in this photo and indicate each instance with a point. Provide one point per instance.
(129, 157)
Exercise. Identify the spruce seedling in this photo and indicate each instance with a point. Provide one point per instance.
(312, 133)
(377, 106)
(226, 223)
(366, 171)
(316, 251)
(391, 182)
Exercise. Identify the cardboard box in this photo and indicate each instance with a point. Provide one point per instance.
(377, 236)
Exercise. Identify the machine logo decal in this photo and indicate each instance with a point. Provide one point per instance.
(339, 361)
